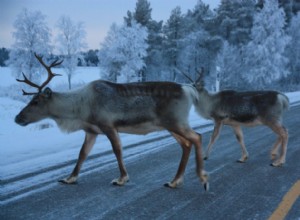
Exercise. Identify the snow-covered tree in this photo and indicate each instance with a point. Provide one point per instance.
(122, 52)
(197, 17)
(172, 31)
(229, 62)
(198, 47)
(264, 54)
(71, 41)
(31, 35)
(154, 57)
(142, 15)
(195, 53)
(234, 20)
(293, 50)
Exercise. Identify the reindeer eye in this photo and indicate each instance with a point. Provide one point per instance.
(35, 101)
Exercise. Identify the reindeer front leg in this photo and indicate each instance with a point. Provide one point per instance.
(215, 135)
(114, 139)
(87, 146)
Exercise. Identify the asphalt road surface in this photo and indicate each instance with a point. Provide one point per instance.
(253, 190)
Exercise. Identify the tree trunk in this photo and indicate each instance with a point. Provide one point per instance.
(69, 81)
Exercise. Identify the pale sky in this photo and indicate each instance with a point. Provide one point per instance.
(97, 15)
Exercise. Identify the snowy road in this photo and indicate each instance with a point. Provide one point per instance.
(238, 191)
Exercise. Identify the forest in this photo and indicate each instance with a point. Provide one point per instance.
(242, 44)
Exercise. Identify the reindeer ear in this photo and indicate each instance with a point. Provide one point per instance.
(200, 84)
(47, 92)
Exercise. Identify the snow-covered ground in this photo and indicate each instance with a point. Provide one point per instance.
(29, 149)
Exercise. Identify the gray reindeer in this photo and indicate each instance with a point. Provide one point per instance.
(238, 109)
(103, 107)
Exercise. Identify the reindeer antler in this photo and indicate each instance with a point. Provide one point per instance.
(49, 78)
(189, 78)
(200, 73)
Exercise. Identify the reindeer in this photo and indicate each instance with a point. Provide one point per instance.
(238, 109)
(103, 107)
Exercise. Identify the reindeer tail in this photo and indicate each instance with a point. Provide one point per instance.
(284, 100)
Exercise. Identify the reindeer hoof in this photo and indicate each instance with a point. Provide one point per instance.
(67, 181)
(120, 181)
(277, 164)
(169, 185)
(204, 179)
(206, 186)
(243, 159)
(173, 185)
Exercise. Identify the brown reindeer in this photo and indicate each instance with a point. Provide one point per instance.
(244, 109)
(103, 107)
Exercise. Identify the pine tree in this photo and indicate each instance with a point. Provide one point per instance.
(287, 6)
(198, 47)
(198, 17)
(296, 6)
(4, 55)
(142, 15)
(293, 50)
(234, 20)
(173, 32)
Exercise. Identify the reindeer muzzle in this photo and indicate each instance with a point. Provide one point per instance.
(20, 120)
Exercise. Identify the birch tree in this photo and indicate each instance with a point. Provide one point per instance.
(71, 41)
(31, 35)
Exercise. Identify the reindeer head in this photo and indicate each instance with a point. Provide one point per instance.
(199, 82)
(37, 109)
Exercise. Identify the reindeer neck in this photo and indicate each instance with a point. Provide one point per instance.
(67, 110)
(205, 103)
(67, 105)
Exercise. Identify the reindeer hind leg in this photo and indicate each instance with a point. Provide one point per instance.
(240, 138)
(274, 151)
(196, 140)
(282, 133)
(186, 149)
